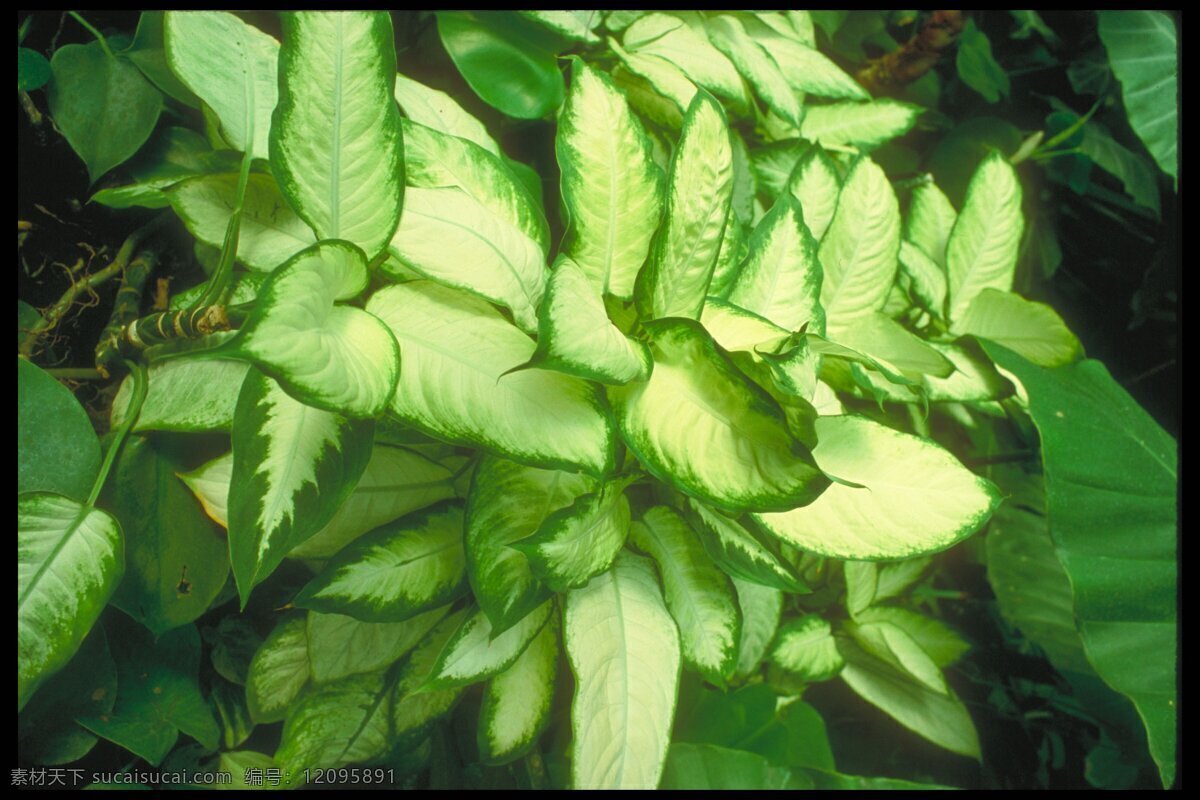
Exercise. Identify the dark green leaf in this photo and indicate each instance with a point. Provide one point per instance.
(1143, 53)
(33, 70)
(176, 558)
(1111, 495)
(46, 730)
(57, 450)
(234, 643)
(157, 695)
(508, 61)
(148, 53)
(976, 66)
(102, 104)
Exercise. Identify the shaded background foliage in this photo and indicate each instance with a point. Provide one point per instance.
(1101, 248)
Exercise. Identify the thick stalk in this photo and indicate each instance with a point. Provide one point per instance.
(219, 281)
(138, 373)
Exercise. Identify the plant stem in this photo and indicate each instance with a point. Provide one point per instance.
(75, 374)
(1045, 154)
(56, 312)
(1069, 131)
(92, 30)
(138, 373)
(220, 279)
(1001, 458)
(920, 424)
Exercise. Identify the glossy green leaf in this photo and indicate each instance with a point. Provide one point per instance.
(336, 144)
(1031, 586)
(774, 163)
(660, 89)
(756, 61)
(433, 159)
(707, 767)
(57, 450)
(974, 379)
(807, 70)
(1138, 176)
(736, 329)
(148, 52)
(475, 652)
(703, 427)
(805, 647)
(234, 641)
(210, 483)
(228, 700)
(279, 670)
(505, 59)
(102, 104)
(237, 80)
(623, 648)
(680, 38)
(939, 717)
(881, 337)
(46, 729)
(977, 67)
(1143, 52)
(397, 481)
(414, 707)
(579, 541)
(339, 723)
(158, 695)
(172, 155)
(506, 503)
(935, 638)
(441, 112)
(982, 250)
(859, 249)
(892, 645)
(740, 553)
(395, 572)
(449, 236)
(1111, 495)
(926, 278)
(516, 704)
(699, 596)
(814, 182)
(612, 189)
(930, 220)
(914, 498)
(33, 70)
(176, 559)
(338, 358)
(270, 232)
(761, 607)
(864, 125)
(292, 467)
(675, 281)
(456, 350)
(70, 559)
(1034, 331)
(340, 646)
(576, 337)
(781, 276)
(897, 576)
(734, 248)
(185, 396)
(862, 578)
(575, 25)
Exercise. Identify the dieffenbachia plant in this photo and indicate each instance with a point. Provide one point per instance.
(703, 431)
